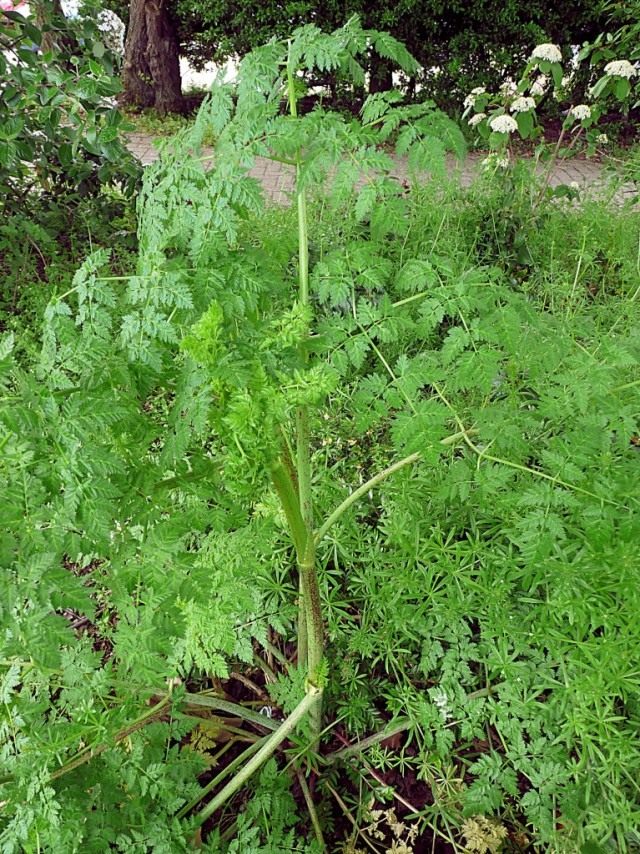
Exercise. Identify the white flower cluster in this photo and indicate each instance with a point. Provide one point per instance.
(547, 52)
(580, 112)
(441, 701)
(474, 121)
(522, 105)
(620, 68)
(496, 161)
(503, 124)
(540, 85)
(508, 89)
(602, 139)
(470, 100)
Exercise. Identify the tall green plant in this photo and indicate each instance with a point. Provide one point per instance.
(158, 459)
(285, 378)
(135, 423)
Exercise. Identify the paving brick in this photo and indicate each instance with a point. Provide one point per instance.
(278, 179)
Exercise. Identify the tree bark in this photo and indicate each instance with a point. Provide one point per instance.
(137, 83)
(163, 55)
(151, 69)
(380, 74)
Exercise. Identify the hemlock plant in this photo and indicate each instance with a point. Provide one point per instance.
(328, 423)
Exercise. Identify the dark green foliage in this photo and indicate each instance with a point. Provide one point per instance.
(470, 43)
(60, 135)
(39, 256)
(623, 21)
(619, 40)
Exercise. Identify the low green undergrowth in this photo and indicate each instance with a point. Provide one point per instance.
(39, 258)
(181, 460)
(153, 124)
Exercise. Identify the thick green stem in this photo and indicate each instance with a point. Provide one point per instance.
(303, 645)
(290, 501)
(303, 241)
(311, 635)
(307, 631)
(313, 611)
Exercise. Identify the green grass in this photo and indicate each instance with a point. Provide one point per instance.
(159, 127)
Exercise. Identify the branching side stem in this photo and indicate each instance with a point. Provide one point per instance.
(269, 747)
(357, 494)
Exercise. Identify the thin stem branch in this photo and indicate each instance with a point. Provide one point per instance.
(366, 743)
(624, 386)
(92, 751)
(311, 807)
(547, 175)
(276, 653)
(228, 769)
(357, 494)
(268, 671)
(347, 814)
(517, 466)
(209, 702)
(269, 747)
(381, 782)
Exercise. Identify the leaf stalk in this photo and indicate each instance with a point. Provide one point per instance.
(269, 747)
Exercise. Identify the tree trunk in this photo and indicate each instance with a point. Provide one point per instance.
(137, 83)
(151, 69)
(380, 74)
(164, 58)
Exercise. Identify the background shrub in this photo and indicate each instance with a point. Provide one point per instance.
(469, 43)
(59, 128)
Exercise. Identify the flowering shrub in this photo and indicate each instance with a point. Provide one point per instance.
(580, 112)
(489, 114)
(523, 105)
(616, 81)
(547, 53)
(502, 124)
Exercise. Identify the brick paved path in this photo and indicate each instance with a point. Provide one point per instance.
(277, 179)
